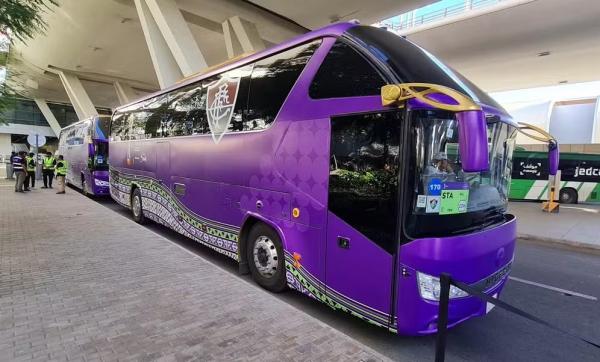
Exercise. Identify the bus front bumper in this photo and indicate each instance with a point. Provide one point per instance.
(100, 184)
(480, 259)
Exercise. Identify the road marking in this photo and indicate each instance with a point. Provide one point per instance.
(549, 287)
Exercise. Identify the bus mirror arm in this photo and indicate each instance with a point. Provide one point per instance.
(541, 135)
(472, 125)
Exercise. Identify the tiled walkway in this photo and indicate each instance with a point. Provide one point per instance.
(80, 282)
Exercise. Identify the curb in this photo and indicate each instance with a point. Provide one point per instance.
(560, 242)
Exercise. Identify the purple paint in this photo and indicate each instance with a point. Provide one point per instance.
(553, 158)
(468, 258)
(85, 147)
(473, 144)
(280, 176)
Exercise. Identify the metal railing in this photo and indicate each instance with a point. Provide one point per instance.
(437, 15)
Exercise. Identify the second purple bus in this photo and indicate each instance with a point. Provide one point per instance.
(84, 145)
(348, 164)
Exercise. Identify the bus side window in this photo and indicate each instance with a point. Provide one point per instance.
(363, 177)
(187, 111)
(241, 104)
(271, 82)
(345, 73)
(119, 128)
(155, 109)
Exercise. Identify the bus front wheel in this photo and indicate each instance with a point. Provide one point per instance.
(136, 207)
(568, 196)
(265, 258)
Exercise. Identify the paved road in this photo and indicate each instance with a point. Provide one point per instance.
(81, 283)
(500, 336)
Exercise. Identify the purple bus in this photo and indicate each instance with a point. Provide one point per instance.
(348, 164)
(84, 145)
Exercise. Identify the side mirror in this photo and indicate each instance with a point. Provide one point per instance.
(472, 141)
(553, 157)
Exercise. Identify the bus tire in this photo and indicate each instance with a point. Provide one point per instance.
(567, 195)
(266, 259)
(137, 211)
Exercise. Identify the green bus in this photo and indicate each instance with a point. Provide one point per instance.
(579, 181)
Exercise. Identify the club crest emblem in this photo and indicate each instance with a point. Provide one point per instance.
(220, 102)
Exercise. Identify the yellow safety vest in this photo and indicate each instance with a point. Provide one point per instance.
(48, 163)
(30, 164)
(61, 168)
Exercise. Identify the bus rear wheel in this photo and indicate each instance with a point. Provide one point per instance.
(567, 196)
(265, 258)
(136, 207)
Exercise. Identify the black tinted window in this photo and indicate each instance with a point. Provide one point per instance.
(137, 119)
(119, 127)
(190, 106)
(187, 112)
(238, 78)
(363, 178)
(272, 80)
(345, 73)
(155, 111)
(412, 64)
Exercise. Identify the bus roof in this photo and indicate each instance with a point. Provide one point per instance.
(85, 120)
(330, 30)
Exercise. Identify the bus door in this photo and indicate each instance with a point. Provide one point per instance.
(362, 213)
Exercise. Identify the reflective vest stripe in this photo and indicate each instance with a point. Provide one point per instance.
(61, 168)
(48, 163)
(30, 164)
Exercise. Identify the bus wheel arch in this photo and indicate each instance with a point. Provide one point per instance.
(135, 203)
(257, 233)
(568, 195)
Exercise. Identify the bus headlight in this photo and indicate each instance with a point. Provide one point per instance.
(429, 288)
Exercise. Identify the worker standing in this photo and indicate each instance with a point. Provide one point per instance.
(61, 173)
(19, 168)
(9, 168)
(48, 166)
(30, 178)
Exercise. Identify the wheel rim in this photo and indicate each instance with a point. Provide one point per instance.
(265, 256)
(137, 206)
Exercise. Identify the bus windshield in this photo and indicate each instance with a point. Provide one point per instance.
(447, 200)
(100, 161)
(101, 130)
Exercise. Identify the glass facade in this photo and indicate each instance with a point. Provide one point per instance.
(25, 111)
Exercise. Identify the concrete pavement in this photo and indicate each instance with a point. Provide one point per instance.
(575, 225)
(79, 282)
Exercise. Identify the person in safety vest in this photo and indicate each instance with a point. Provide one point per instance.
(30, 178)
(19, 167)
(48, 165)
(61, 173)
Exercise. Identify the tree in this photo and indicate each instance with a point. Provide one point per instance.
(23, 19)
(20, 20)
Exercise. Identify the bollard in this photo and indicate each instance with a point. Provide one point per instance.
(442, 322)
